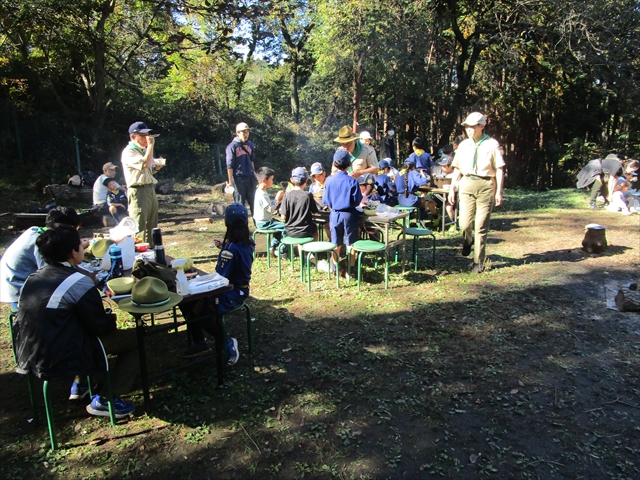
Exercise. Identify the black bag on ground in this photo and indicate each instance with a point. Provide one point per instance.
(146, 268)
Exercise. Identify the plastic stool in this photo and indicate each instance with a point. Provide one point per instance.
(268, 233)
(291, 241)
(319, 247)
(369, 246)
(417, 233)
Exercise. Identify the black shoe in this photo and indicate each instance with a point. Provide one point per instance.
(477, 268)
(466, 249)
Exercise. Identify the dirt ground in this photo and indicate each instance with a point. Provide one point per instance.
(520, 372)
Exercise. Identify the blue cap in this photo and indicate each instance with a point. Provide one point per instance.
(317, 168)
(382, 164)
(299, 173)
(366, 179)
(410, 161)
(342, 158)
(236, 212)
(138, 127)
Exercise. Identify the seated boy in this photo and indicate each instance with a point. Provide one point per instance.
(22, 258)
(116, 200)
(385, 186)
(264, 207)
(319, 177)
(297, 207)
(63, 329)
(342, 194)
(407, 184)
(368, 190)
(422, 159)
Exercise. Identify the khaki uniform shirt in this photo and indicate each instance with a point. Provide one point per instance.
(487, 159)
(366, 159)
(132, 161)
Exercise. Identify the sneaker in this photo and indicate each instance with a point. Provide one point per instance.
(232, 351)
(477, 268)
(100, 407)
(593, 206)
(79, 390)
(466, 249)
(196, 350)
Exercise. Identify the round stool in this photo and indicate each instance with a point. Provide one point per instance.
(268, 233)
(369, 246)
(319, 247)
(290, 241)
(417, 233)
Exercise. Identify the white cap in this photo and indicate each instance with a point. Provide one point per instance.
(241, 127)
(475, 118)
(365, 136)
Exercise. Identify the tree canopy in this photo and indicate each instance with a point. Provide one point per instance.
(558, 80)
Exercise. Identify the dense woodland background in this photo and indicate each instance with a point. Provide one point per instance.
(559, 80)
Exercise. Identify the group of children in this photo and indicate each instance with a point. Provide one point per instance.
(623, 187)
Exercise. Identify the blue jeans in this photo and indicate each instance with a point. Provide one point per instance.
(272, 225)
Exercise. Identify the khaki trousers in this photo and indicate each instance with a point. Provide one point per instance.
(476, 202)
(143, 206)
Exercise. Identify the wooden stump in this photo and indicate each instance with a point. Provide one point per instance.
(595, 240)
(628, 299)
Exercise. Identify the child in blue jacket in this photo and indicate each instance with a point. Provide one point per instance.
(234, 263)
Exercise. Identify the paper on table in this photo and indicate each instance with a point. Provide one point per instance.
(206, 283)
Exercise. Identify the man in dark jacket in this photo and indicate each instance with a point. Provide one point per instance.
(62, 328)
(388, 145)
(240, 167)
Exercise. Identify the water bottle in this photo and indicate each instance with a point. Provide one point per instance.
(116, 270)
(156, 235)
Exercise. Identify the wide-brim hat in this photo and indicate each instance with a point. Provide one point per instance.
(150, 295)
(100, 247)
(346, 135)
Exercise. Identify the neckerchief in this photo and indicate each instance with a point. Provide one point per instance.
(136, 148)
(356, 151)
(475, 152)
(419, 152)
(140, 151)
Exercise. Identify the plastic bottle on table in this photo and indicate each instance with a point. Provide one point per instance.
(182, 284)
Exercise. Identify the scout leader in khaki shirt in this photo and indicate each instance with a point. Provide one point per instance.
(363, 157)
(137, 165)
(478, 155)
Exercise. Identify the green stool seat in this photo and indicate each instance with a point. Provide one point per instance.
(370, 246)
(291, 241)
(319, 247)
(268, 233)
(417, 233)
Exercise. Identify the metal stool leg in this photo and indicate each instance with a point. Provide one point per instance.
(49, 410)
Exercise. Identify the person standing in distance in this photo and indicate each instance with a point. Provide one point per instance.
(241, 173)
(388, 145)
(479, 162)
(138, 166)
